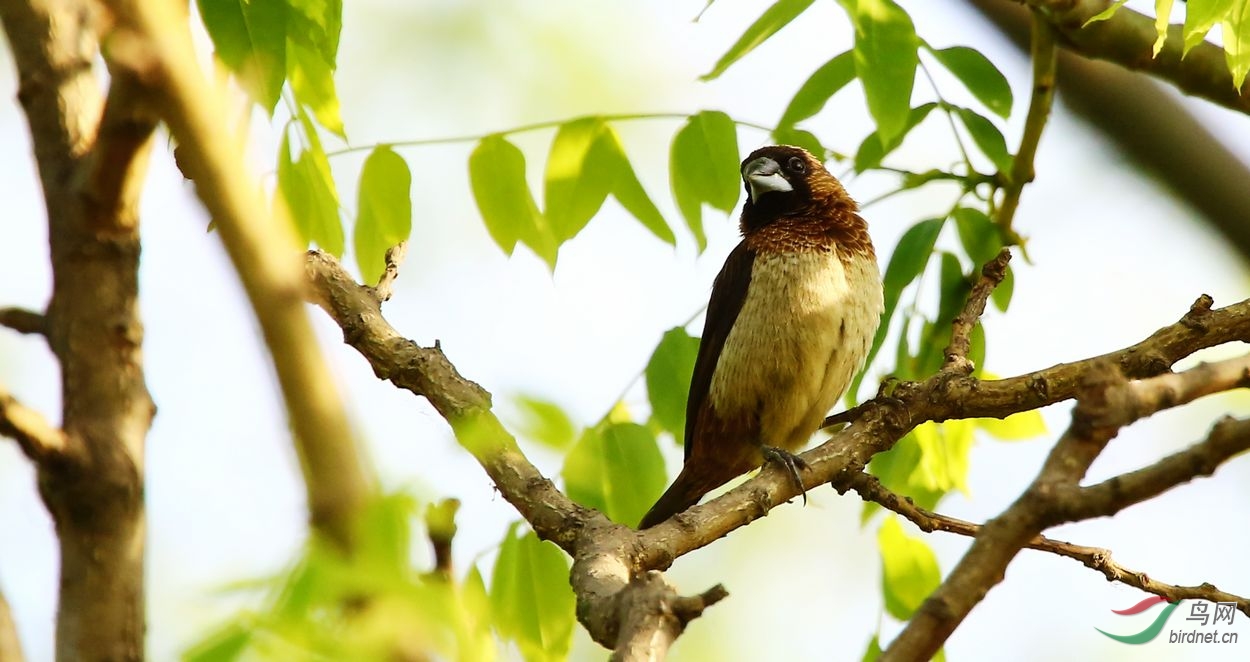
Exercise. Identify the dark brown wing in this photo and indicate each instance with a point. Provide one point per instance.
(729, 291)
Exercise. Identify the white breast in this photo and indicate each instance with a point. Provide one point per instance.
(803, 332)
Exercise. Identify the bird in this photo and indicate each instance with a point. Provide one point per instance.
(789, 323)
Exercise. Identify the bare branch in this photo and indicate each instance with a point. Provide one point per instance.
(23, 321)
(957, 352)
(1105, 404)
(151, 43)
(1127, 39)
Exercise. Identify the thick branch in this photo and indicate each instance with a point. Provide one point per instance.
(1094, 558)
(23, 321)
(151, 43)
(1105, 404)
(1128, 38)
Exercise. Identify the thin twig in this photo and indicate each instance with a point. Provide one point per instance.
(1094, 558)
(394, 257)
(1045, 56)
(39, 439)
(961, 330)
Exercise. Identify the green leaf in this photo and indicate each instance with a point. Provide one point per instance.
(576, 182)
(909, 570)
(1200, 17)
(872, 151)
(1236, 32)
(228, 643)
(250, 39)
(1105, 14)
(311, 198)
(312, 81)
(819, 88)
(668, 379)
(1018, 426)
(784, 135)
(497, 176)
(873, 651)
(316, 24)
(384, 210)
(617, 469)
(626, 187)
(703, 167)
(1001, 296)
(531, 600)
(944, 452)
(987, 137)
(1163, 13)
(773, 19)
(545, 422)
(885, 62)
(978, 234)
(979, 75)
(898, 469)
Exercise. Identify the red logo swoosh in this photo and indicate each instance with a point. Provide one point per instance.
(1141, 606)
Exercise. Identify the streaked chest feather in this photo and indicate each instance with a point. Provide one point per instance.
(803, 332)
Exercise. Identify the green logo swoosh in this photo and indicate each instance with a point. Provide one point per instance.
(1150, 632)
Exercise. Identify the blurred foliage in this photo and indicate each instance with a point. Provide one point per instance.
(376, 606)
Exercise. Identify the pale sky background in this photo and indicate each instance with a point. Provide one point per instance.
(1114, 258)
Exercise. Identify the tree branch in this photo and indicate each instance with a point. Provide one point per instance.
(23, 321)
(1128, 38)
(1044, 54)
(961, 330)
(151, 43)
(1105, 404)
(40, 440)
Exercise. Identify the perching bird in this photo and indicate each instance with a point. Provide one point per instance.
(792, 315)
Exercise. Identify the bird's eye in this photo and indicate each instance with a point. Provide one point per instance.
(796, 164)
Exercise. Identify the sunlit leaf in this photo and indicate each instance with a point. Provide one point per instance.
(250, 39)
(1200, 17)
(898, 470)
(317, 24)
(312, 81)
(703, 167)
(530, 596)
(773, 19)
(668, 379)
(979, 75)
(978, 234)
(227, 644)
(497, 176)
(872, 150)
(628, 190)
(1105, 14)
(873, 651)
(909, 570)
(819, 88)
(617, 469)
(885, 62)
(1018, 426)
(545, 422)
(1236, 33)
(311, 197)
(987, 137)
(1163, 13)
(576, 183)
(383, 210)
(786, 135)
(944, 449)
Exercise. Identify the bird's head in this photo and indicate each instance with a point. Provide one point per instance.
(782, 180)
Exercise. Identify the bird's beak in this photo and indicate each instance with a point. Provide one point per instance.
(763, 175)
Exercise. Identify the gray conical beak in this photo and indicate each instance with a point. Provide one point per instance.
(763, 175)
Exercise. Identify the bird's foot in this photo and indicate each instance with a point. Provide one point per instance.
(791, 463)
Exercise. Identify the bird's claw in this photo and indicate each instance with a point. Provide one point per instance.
(791, 463)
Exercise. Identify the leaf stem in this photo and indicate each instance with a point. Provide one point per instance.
(536, 126)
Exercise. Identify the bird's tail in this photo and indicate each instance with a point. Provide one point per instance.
(695, 480)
